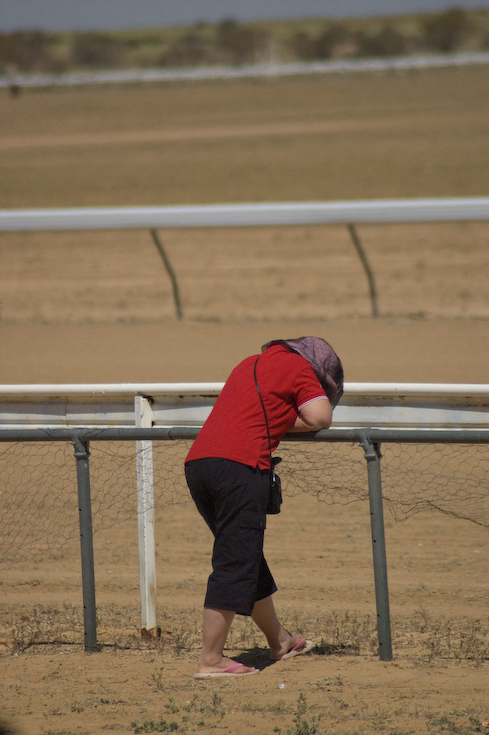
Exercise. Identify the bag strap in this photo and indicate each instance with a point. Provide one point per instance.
(265, 414)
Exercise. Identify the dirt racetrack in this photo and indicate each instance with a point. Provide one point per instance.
(97, 307)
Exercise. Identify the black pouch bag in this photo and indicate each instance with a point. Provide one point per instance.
(275, 497)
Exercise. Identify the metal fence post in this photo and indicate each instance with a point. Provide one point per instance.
(86, 543)
(372, 455)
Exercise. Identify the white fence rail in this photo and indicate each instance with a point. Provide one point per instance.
(135, 76)
(238, 215)
(374, 405)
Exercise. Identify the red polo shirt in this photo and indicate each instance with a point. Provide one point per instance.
(235, 428)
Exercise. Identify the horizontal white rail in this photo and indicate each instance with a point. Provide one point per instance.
(230, 215)
(376, 405)
(68, 390)
(252, 70)
(416, 389)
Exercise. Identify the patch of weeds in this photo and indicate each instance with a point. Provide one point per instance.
(323, 648)
(339, 703)
(182, 641)
(157, 677)
(196, 710)
(53, 674)
(67, 732)
(213, 708)
(337, 633)
(379, 719)
(279, 708)
(477, 725)
(190, 706)
(171, 706)
(26, 632)
(244, 634)
(471, 643)
(420, 620)
(443, 724)
(94, 701)
(179, 632)
(31, 625)
(302, 726)
(77, 707)
(462, 640)
(251, 707)
(327, 683)
(152, 726)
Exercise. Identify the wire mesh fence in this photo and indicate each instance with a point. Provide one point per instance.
(38, 484)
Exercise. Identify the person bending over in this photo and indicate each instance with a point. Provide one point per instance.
(228, 474)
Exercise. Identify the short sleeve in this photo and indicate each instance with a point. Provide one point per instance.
(306, 387)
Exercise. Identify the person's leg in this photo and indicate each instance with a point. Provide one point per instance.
(239, 573)
(214, 634)
(220, 493)
(279, 639)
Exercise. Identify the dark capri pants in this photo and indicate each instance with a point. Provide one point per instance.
(232, 498)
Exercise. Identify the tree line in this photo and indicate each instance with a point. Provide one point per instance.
(233, 43)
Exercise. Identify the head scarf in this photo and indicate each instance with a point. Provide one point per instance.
(323, 360)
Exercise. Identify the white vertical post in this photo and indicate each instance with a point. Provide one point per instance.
(147, 561)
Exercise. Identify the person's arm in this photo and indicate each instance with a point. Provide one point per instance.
(314, 416)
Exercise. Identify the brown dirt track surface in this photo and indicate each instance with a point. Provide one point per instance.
(97, 307)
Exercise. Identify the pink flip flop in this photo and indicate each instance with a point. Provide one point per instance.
(302, 647)
(231, 671)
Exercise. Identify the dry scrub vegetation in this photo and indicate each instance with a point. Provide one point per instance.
(231, 43)
(423, 638)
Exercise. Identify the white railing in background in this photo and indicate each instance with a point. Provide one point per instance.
(239, 215)
(242, 215)
(135, 76)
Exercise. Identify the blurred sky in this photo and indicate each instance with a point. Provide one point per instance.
(114, 14)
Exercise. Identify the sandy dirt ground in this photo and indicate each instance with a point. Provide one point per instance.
(98, 307)
(320, 554)
(321, 557)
